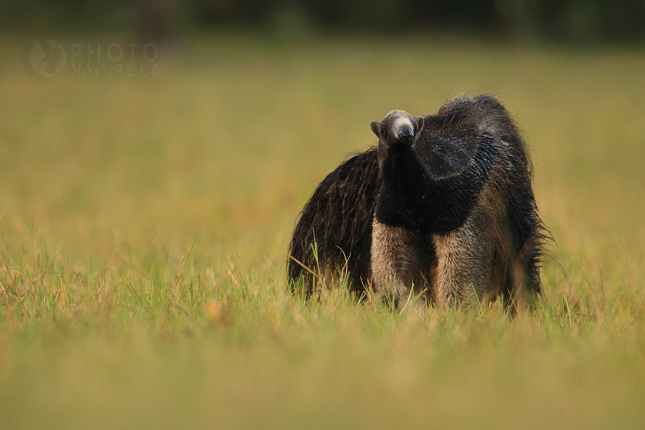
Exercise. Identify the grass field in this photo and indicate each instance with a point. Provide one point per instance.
(144, 225)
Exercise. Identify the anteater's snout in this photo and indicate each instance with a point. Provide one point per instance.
(405, 134)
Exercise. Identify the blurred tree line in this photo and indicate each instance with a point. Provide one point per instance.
(570, 20)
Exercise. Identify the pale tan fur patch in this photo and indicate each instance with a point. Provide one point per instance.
(399, 123)
(465, 265)
(459, 270)
(396, 262)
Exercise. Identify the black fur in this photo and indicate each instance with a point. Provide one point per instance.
(409, 197)
(470, 148)
(335, 226)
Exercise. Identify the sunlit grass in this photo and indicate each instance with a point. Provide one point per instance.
(144, 227)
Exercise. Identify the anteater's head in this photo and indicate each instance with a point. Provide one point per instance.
(397, 128)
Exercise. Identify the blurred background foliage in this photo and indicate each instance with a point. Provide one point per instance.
(579, 21)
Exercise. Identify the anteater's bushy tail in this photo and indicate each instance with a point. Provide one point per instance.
(334, 231)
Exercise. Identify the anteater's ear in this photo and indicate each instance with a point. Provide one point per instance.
(375, 128)
(419, 121)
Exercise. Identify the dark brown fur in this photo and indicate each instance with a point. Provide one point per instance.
(447, 215)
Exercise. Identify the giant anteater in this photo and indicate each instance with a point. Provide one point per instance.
(441, 210)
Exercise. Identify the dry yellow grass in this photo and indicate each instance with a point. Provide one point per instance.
(144, 226)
